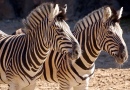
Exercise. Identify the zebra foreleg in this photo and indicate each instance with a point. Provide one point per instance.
(65, 88)
(30, 87)
(64, 85)
(82, 86)
(13, 86)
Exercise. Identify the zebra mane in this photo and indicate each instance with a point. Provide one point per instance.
(39, 13)
(93, 17)
(62, 16)
(114, 15)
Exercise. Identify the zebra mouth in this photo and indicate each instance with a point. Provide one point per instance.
(72, 56)
(120, 60)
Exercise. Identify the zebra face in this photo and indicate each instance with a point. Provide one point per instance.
(113, 42)
(58, 36)
(65, 41)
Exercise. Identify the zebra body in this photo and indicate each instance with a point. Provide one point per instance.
(99, 30)
(91, 32)
(22, 55)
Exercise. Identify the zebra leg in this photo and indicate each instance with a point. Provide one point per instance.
(30, 87)
(63, 85)
(82, 86)
(13, 86)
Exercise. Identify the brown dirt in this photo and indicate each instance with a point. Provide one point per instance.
(107, 75)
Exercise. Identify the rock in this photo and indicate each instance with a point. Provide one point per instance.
(6, 10)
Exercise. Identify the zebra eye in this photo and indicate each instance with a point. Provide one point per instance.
(49, 21)
(62, 38)
(60, 30)
(110, 32)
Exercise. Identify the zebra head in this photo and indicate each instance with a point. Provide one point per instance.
(110, 38)
(57, 36)
(65, 41)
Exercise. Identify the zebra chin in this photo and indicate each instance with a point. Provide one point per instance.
(122, 55)
(120, 61)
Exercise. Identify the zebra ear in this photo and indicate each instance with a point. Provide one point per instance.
(56, 10)
(65, 8)
(107, 13)
(119, 13)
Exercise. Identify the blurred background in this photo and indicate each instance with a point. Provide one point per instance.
(10, 9)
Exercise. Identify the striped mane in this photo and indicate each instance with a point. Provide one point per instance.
(87, 20)
(39, 14)
(95, 16)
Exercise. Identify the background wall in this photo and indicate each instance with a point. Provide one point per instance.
(10, 9)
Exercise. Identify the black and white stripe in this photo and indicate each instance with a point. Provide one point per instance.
(99, 30)
(22, 55)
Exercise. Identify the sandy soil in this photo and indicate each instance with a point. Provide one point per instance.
(107, 75)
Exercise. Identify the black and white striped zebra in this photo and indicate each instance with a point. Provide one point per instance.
(99, 30)
(22, 55)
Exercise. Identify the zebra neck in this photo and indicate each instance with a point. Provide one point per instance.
(37, 51)
(90, 49)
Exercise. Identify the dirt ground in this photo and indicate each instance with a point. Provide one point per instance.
(107, 76)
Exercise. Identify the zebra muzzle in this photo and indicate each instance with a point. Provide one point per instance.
(122, 56)
(76, 52)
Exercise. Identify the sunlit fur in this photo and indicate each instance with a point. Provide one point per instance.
(22, 55)
(99, 30)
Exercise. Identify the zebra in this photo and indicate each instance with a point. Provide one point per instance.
(22, 55)
(99, 30)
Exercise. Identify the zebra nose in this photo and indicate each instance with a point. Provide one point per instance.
(123, 53)
(76, 53)
(76, 50)
(122, 48)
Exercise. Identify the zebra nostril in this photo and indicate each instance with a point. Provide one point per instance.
(122, 56)
(122, 48)
(76, 52)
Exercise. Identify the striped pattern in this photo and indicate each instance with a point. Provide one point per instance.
(22, 55)
(99, 30)
(94, 35)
